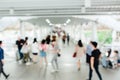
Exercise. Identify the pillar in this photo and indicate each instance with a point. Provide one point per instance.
(94, 32)
(34, 31)
(83, 33)
(22, 29)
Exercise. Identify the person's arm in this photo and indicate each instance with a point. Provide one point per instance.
(2, 56)
(58, 50)
(76, 48)
(84, 50)
(92, 63)
(2, 61)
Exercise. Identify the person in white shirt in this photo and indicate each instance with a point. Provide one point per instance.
(55, 53)
(35, 50)
(25, 50)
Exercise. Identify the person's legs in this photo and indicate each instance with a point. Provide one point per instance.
(52, 61)
(90, 72)
(68, 41)
(63, 41)
(35, 57)
(46, 60)
(56, 62)
(28, 57)
(21, 54)
(41, 61)
(87, 58)
(97, 71)
(2, 70)
(24, 58)
(78, 64)
(6, 76)
(1, 65)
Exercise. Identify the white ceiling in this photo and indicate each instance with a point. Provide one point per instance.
(58, 7)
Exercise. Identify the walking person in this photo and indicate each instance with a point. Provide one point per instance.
(26, 52)
(68, 39)
(94, 61)
(55, 54)
(80, 50)
(64, 39)
(2, 62)
(88, 52)
(43, 49)
(48, 40)
(19, 44)
(35, 50)
(29, 57)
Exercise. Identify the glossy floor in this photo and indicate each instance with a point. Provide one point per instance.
(67, 69)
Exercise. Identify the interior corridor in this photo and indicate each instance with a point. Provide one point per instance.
(67, 69)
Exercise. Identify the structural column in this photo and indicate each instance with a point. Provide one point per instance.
(22, 29)
(113, 36)
(94, 32)
(34, 31)
(79, 30)
(82, 33)
(87, 3)
(113, 39)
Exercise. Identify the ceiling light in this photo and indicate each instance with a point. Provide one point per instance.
(68, 21)
(11, 11)
(83, 10)
(48, 21)
(64, 24)
(87, 3)
(50, 24)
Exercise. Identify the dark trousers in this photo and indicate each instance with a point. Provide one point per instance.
(63, 41)
(68, 41)
(1, 69)
(26, 57)
(20, 54)
(96, 67)
(87, 58)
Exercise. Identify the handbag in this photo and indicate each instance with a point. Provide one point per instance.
(58, 54)
(74, 54)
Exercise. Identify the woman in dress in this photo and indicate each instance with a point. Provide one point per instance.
(79, 49)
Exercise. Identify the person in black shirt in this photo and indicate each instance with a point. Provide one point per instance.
(2, 61)
(19, 44)
(94, 61)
